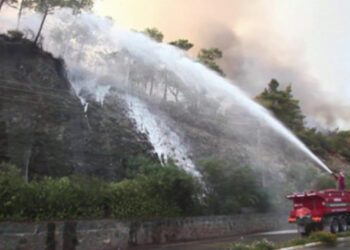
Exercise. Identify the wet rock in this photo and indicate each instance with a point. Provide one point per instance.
(44, 129)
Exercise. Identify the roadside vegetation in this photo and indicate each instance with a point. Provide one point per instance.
(321, 236)
(324, 237)
(258, 245)
(149, 191)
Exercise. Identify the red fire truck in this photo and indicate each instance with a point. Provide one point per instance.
(327, 210)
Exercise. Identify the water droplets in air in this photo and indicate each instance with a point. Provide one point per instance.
(102, 59)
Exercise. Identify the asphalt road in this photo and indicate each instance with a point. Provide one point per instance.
(277, 237)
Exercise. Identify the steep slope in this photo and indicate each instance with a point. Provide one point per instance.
(44, 129)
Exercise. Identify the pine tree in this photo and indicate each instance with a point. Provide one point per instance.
(155, 34)
(282, 105)
(182, 44)
(208, 57)
(47, 6)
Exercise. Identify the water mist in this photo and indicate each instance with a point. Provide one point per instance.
(105, 60)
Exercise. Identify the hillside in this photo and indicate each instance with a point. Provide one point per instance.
(44, 129)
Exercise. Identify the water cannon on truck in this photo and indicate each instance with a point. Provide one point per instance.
(327, 210)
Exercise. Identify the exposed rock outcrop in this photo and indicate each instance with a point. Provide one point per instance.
(44, 129)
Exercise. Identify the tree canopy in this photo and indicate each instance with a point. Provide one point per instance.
(182, 44)
(283, 105)
(208, 57)
(45, 6)
(155, 34)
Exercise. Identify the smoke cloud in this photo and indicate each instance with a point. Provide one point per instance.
(254, 44)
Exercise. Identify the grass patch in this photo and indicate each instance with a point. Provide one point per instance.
(324, 237)
(257, 245)
(321, 236)
(344, 234)
(240, 246)
(297, 242)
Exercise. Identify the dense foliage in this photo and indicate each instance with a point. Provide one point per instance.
(151, 190)
(182, 44)
(155, 34)
(208, 57)
(155, 191)
(229, 189)
(282, 104)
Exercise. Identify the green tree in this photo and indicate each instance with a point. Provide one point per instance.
(283, 105)
(229, 188)
(208, 57)
(182, 44)
(318, 142)
(47, 6)
(155, 34)
(341, 143)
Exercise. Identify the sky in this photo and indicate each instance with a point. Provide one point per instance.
(305, 43)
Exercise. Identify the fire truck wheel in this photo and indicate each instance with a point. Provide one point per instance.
(343, 226)
(307, 230)
(335, 226)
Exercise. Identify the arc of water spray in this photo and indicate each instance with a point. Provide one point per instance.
(193, 74)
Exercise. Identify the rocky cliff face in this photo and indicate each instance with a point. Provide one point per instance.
(44, 129)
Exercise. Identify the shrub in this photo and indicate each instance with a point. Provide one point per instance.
(263, 245)
(229, 188)
(322, 236)
(134, 198)
(240, 246)
(15, 35)
(154, 191)
(12, 191)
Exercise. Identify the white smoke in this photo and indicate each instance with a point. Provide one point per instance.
(100, 57)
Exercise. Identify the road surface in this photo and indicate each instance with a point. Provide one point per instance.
(278, 237)
(223, 243)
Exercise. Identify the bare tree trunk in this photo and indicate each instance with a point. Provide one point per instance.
(175, 93)
(1, 3)
(41, 26)
(20, 13)
(151, 89)
(165, 92)
(27, 155)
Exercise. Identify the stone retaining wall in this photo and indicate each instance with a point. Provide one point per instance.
(114, 234)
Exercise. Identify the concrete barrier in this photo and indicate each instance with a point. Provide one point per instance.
(117, 234)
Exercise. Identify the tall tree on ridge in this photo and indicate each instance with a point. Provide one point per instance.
(155, 34)
(47, 6)
(182, 44)
(208, 57)
(283, 105)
